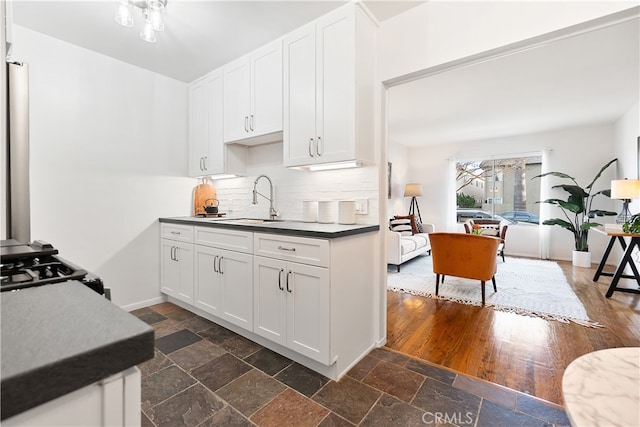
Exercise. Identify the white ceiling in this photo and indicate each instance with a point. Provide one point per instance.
(199, 35)
(589, 78)
(593, 77)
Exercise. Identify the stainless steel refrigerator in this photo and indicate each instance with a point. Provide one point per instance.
(16, 199)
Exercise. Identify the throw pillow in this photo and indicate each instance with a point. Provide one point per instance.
(489, 232)
(402, 226)
(419, 225)
(411, 218)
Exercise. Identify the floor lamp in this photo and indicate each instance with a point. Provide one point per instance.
(625, 190)
(413, 191)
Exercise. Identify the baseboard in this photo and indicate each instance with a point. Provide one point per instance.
(143, 304)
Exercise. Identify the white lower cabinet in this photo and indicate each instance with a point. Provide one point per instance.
(224, 274)
(224, 285)
(177, 269)
(114, 401)
(291, 306)
(176, 261)
(308, 298)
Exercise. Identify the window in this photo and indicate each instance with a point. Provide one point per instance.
(500, 187)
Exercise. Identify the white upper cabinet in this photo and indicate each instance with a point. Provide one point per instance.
(198, 128)
(329, 77)
(208, 155)
(253, 97)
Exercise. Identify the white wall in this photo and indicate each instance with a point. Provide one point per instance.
(579, 152)
(398, 155)
(441, 31)
(108, 157)
(626, 133)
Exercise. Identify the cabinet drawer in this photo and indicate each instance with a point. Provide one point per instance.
(239, 241)
(182, 233)
(291, 248)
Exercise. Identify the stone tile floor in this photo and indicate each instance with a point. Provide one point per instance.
(205, 375)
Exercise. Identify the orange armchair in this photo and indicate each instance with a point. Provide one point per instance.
(470, 256)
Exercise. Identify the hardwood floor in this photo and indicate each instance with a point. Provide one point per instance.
(527, 354)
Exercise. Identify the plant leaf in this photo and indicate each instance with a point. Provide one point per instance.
(573, 207)
(550, 201)
(558, 174)
(600, 173)
(561, 222)
(574, 190)
(606, 192)
(588, 225)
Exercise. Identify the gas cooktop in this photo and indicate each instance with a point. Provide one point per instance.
(34, 264)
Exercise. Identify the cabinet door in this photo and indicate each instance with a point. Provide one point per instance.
(184, 257)
(207, 280)
(236, 278)
(237, 99)
(308, 308)
(266, 90)
(169, 268)
(198, 128)
(299, 51)
(270, 297)
(335, 108)
(215, 159)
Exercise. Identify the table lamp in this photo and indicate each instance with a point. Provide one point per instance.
(625, 190)
(413, 191)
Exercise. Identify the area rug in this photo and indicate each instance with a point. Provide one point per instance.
(527, 287)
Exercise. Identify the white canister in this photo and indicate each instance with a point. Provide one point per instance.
(347, 212)
(325, 211)
(310, 211)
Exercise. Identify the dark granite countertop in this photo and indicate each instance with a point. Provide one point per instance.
(291, 228)
(58, 338)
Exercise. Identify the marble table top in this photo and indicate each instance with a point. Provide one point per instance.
(603, 388)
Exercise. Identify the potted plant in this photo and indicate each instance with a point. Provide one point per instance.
(578, 212)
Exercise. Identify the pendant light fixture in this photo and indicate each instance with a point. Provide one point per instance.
(152, 12)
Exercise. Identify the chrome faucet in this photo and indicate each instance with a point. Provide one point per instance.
(273, 213)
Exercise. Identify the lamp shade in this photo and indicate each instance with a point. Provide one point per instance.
(625, 189)
(413, 190)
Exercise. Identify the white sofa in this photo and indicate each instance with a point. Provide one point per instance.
(401, 248)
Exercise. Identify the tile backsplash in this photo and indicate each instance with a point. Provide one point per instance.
(292, 187)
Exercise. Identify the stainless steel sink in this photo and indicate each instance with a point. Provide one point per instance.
(248, 221)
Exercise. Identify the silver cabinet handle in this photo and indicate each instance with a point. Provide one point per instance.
(318, 146)
(176, 256)
(288, 288)
(246, 123)
(173, 258)
(200, 163)
(282, 248)
(310, 144)
(214, 264)
(251, 123)
(280, 279)
(205, 161)
(220, 265)
(176, 232)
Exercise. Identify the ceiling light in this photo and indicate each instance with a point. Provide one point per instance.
(152, 13)
(124, 14)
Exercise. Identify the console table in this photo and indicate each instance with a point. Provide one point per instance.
(626, 260)
(602, 388)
